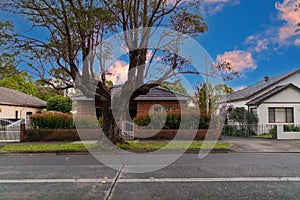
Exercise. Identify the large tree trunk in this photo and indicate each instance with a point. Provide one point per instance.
(110, 127)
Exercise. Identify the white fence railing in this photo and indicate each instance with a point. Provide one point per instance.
(10, 130)
(249, 130)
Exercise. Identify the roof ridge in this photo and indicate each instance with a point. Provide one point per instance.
(258, 86)
(168, 90)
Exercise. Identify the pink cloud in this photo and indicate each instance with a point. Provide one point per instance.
(241, 60)
(290, 17)
(258, 43)
(297, 42)
(118, 70)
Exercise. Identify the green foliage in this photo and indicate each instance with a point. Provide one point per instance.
(176, 86)
(46, 91)
(242, 116)
(51, 121)
(291, 128)
(214, 94)
(235, 131)
(173, 121)
(21, 82)
(60, 104)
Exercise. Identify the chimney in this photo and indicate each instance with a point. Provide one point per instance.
(266, 78)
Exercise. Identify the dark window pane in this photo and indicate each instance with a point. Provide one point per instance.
(271, 115)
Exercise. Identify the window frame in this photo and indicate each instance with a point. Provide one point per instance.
(272, 111)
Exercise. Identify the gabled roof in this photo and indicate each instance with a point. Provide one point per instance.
(257, 87)
(16, 98)
(155, 93)
(158, 93)
(271, 93)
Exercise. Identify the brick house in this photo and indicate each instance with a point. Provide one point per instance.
(154, 101)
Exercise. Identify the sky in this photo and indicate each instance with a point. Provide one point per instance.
(256, 36)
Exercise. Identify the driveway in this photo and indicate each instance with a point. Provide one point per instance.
(249, 145)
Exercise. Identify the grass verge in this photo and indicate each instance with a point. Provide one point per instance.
(265, 136)
(132, 145)
(45, 147)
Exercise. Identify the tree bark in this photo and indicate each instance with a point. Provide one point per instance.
(110, 127)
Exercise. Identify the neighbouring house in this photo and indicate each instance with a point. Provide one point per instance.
(154, 101)
(18, 105)
(275, 100)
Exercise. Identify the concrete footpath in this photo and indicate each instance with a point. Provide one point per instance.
(254, 145)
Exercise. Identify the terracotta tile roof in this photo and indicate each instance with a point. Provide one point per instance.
(16, 98)
(158, 93)
(155, 93)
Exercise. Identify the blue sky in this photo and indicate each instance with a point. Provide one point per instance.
(257, 36)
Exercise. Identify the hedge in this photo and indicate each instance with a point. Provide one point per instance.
(173, 121)
(55, 120)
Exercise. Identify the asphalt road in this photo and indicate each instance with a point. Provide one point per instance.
(217, 176)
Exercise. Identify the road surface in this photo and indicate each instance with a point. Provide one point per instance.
(217, 176)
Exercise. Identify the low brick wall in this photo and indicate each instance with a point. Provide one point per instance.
(90, 134)
(144, 134)
(34, 135)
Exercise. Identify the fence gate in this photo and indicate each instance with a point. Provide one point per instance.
(128, 130)
(10, 130)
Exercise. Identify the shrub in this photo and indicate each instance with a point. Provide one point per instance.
(51, 121)
(60, 104)
(173, 121)
(291, 128)
(233, 131)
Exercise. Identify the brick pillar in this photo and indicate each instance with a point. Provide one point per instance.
(22, 133)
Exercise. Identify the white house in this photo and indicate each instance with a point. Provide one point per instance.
(275, 100)
(18, 105)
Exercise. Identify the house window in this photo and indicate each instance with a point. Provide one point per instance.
(157, 109)
(17, 114)
(168, 109)
(281, 115)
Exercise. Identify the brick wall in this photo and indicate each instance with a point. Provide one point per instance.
(143, 107)
(144, 134)
(85, 108)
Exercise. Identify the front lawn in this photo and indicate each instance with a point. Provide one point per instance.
(44, 147)
(132, 145)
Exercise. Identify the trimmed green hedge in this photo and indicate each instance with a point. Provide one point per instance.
(173, 121)
(52, 120)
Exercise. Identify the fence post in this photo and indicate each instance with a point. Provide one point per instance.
(22, 132)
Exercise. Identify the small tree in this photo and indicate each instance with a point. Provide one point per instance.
(242, 116)
(59, 103)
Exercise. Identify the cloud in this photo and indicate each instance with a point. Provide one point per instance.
(117, 72)
(291, 17)
(257, 43)
(297, 42)
(240, 87)
(241, 60)
(213, 6)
